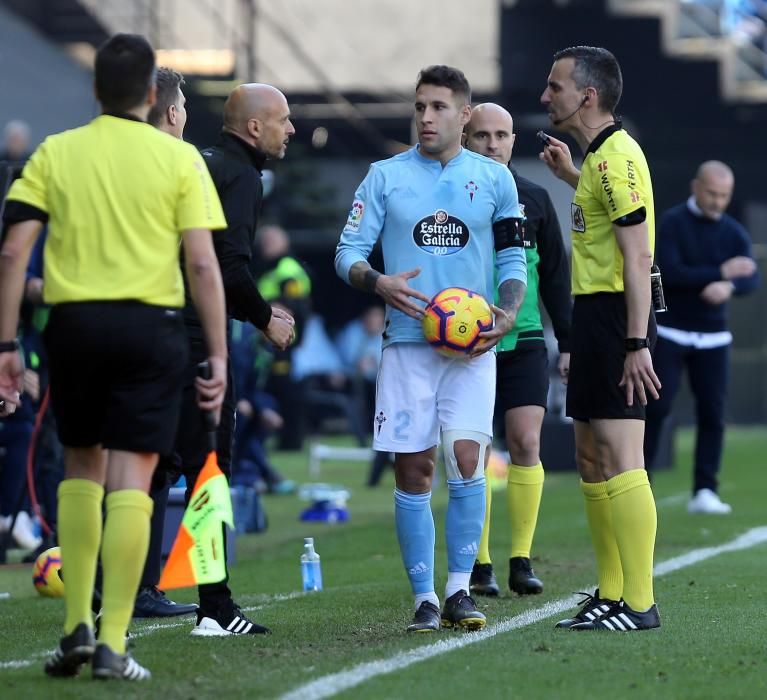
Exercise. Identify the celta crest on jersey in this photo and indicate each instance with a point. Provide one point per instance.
(441, 234)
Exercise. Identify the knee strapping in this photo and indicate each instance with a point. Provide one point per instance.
(449, 438)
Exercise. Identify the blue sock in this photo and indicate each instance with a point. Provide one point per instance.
(415, 532)
(463, 524)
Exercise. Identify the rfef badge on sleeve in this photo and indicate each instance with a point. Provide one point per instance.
(578, 220)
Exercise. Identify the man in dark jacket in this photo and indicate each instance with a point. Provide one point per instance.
(256, 127)
(705, 258)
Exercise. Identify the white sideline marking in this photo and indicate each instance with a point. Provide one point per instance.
(150, 629)
(672, 500)
(334, 683)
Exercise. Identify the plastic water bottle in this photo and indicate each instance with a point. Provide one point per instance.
(311, 573)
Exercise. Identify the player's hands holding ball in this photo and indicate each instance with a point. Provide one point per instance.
(396, 292)
(504, 322)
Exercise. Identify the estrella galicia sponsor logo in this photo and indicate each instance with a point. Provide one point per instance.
(441, 234)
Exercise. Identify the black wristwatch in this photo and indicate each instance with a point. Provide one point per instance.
(10, 345)
(634, 344)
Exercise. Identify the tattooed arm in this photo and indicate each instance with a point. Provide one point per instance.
(511, 294)
(393, 289)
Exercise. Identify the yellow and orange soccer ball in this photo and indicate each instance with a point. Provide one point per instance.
(46, 573)
(454, 319)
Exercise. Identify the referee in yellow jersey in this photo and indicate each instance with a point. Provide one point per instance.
(613, 328)
(119, 197)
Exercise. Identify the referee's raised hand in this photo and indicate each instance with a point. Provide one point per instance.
(556, 154)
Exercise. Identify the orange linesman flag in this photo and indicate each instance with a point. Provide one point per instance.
(197, 555)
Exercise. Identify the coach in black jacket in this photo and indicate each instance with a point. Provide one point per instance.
(256, 127)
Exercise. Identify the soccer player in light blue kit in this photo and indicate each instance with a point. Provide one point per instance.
(446, 217)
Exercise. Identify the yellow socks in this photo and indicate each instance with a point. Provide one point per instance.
(600, 519)
(523, 494)
(79, 525)
(123, 553)
(635, 522)
(483, 554)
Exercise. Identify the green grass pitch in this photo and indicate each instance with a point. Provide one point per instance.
(711, 644)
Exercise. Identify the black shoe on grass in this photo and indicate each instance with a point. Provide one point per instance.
(522, 578)
(73, 652)
(426, 618)
(460, 610)
(593, 608)
(108, 664)
(152, 602)
(483, 581)
(227, 620)
(621, 618)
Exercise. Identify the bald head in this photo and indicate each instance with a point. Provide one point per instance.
(490, 132)
(273, 241)
(259, 114)
(16, 134)
(487, 110)
(714, 169)
(712, 188)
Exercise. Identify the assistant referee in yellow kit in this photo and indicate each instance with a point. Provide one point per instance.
(119, 197)
(611, 372)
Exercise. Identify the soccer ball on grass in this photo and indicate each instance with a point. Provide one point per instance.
(454, 319)
(46, 574)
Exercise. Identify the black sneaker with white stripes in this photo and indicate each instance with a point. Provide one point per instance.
(621, 618)
(108, 664)
(593, 607)
(73, 652)
(228, 619)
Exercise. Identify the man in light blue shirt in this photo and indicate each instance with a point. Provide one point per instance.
(446, 217)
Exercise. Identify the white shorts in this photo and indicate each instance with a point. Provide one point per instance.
(419, 392)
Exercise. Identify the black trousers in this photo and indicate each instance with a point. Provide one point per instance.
(709, 375)
(190, 453)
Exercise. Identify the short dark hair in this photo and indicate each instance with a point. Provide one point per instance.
(124, 72)
(168, 83)
(598, 68)
(445, 76)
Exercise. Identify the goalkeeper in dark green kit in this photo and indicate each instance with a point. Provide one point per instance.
(522, 376)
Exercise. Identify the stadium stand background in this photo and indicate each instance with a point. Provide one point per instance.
(692, 93)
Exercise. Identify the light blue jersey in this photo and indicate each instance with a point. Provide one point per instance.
(437, 218)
